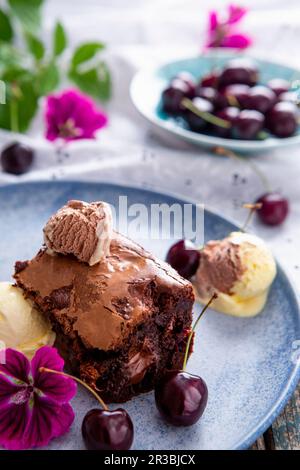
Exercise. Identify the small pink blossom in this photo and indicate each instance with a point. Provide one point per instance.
(72, 116)
(34, 405)
(222, 32)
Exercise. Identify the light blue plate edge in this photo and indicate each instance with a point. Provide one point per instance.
(294, 378)
(246, 146)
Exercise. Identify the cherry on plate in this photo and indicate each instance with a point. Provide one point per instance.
(282, 119)
(181, 397)
(183, 258)
(189, 80)
(210, 80)
(274, 209)
(173, 96)
(248, 124)
(278, 85)
(260, 98)
(107, 430)
(237, 95)
(290, 96)
(229, 114)
(242, 71)
(195, 122)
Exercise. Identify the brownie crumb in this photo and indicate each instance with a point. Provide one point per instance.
(20, 266)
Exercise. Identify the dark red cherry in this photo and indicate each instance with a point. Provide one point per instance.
(282, 119)
(274, 209)
(107, 430)
(278, 85)
(237, 95)
(195, 122)
(217, 99)
(173, 96)
(248, 124)
(184, 258)
(260, 98)
(290, 96)
(17, 158)
(181, 397)
(189, 80)
(229, 114)
(242, 71)
(210, 80)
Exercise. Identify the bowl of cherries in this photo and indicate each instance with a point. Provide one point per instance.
(233, 102)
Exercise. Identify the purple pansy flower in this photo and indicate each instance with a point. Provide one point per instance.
(71, 116)
(34, 405)
(223, 33)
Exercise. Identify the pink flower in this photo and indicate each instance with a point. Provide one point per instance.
(223, 33)
(34, 405)
(71, 116)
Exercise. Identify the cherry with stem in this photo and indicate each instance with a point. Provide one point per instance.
(103, 429)
(181, 397)
(274, 207)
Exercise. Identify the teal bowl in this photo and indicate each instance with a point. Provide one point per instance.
(148, 84)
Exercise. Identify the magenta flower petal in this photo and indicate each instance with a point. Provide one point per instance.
(16, 365)
(63, 420)
(239, 41)
(7, 390)
(71, 116)
(46, 357)
(14, 419)
(235, 13)
(34, 404)
(56, 387)
(213, 21)
(46, 422)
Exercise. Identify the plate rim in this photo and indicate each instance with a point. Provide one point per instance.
(245, 442)
(245, 146)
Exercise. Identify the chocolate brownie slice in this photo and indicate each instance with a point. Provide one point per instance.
(120, 323)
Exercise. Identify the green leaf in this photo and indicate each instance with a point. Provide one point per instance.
(9, 57)
(95, 82)
(59, 40)
(86, 52)
(28, 13)
(47, 79)
(25, 101)
(35, 46)
(6, 31)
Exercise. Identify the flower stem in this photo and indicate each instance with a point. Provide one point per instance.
(81, 382)
(252, 208)
(14, 123)
(193, 329)
(188, 104)
(229, 153)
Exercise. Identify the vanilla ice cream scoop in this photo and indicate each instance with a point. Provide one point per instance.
(240, 269)
(80, 229)
(22, 327)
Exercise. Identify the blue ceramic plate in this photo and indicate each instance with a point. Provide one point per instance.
(245, 362)
(148, 84)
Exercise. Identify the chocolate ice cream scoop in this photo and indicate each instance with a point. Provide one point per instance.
(80, 229)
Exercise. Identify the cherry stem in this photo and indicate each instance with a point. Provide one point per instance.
(229, 153)
(188, 344)
(252, 208)
(209, 117)
(81, 382)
